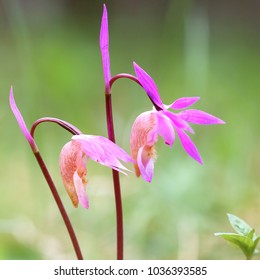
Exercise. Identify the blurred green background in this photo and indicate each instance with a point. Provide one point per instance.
(49, 52)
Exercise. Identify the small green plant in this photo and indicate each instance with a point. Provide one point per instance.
(245, 238)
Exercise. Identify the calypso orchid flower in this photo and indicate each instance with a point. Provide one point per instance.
(73, 159)
(29, 137)
(74, 155)
(161, 121)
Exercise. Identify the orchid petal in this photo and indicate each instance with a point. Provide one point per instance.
(80, 190)
(145, 164)
(114, 149)
(165, 128)
(103, 151)
(189, 146)
(21, 122)
(199, 117)
(183, 102)
(178, 121)
(149, 85)
(92, 149)
(104, 48)
(100, 142)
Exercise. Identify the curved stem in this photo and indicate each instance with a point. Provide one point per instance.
(116, 180)
(32, 143)
(133, 78)
(60, 205)
(71, 128)
(74, 130)
(123, 75)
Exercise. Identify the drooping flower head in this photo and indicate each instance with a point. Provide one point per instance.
(74, 157)
(161, 121)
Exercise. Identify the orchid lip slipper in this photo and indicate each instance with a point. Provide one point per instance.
(73, 160)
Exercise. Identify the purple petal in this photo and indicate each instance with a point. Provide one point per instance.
(146, 168)
(178, 121)
(183, 102)
(100, 142)
(103, 151)
(189, 146)
(21, 122)
(199, 117)
(149, 85)
(165, 128)
(80, 190)
(114, 149)
(104, 47)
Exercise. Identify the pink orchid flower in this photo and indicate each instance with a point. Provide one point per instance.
(73, 159)
(161, 121)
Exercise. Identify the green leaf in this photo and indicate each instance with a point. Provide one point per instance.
(256, 240)
(246, 244)
(239, 225)
(251, 234)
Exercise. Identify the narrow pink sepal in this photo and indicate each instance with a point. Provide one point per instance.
(189, 146)
(80, 190)
(183, 103)
(21, 122)
(104, 48)
(178, 121)
(146, 168)
(199, 117)
(149, 85)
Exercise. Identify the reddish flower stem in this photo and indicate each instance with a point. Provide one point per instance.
(59, 203)
(133, 78)
(116, 181)
(74, 130)
(69, 127)
(123, 75)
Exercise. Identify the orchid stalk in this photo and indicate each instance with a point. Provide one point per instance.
(104, 47)
(73, 160)
(149, 125)
(109, 81)
(29, 137)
